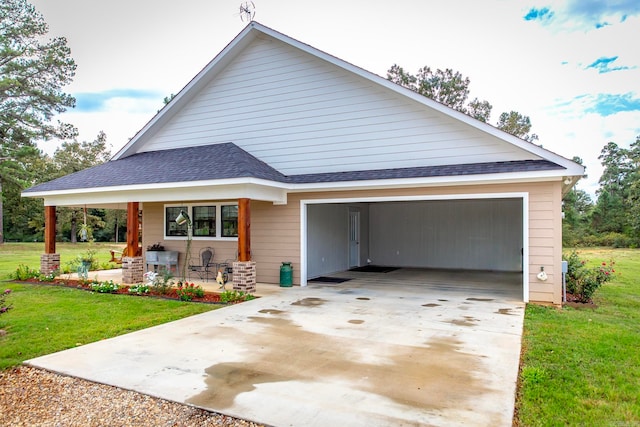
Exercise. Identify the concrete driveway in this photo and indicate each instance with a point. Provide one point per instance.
(353, 354)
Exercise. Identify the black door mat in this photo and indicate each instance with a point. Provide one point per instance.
(374, 269)
(324, 279)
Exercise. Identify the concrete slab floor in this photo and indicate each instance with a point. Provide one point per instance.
(349, 354)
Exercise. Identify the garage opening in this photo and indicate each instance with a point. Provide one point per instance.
(463, 234)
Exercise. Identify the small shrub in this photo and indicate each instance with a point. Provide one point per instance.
(105, 287)
(23, 272)
(51, 276)
(582, 281)
(69, 267)
(189, 291)
(139, 289)
(107, 265)
(229, 297)
(162, 283)
(4, 306)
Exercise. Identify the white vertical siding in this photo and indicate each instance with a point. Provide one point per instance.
(303, 115)
(327, 239)
(483, 234)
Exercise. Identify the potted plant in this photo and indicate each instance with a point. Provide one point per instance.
(88, 259)
(156, 247)
(152, 252)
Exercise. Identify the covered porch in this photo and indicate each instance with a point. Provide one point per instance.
(188, 260)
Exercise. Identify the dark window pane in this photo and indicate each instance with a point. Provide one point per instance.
(171, 228)
(204, 221)
(230, 221)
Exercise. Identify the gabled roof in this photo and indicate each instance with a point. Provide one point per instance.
(255, 30)
(228, 161)
(230, 168)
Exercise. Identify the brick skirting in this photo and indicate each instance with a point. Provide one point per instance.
(244, 276)
(132, 269)
(49, 263)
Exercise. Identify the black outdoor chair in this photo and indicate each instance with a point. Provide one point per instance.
(203, 266)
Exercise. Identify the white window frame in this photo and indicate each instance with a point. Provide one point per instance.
(189, 206)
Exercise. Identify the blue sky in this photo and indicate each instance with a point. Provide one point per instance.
(572, 66)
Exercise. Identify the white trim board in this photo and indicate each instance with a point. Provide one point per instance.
(515, 195)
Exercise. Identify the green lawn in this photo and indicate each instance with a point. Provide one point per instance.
(45, 319)
(582, 366)
(13, 254)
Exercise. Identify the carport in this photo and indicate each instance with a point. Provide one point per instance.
(481, 234)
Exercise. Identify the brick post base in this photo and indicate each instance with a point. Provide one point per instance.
(244, 276)
(132, 269)
(49, 263)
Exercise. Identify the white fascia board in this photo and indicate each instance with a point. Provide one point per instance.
(498, 178)
(264, 190)
(167, 192)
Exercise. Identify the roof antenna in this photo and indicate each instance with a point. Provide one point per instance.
(247, 11)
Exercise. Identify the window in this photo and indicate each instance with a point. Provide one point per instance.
(172, 228)
(230, 221)
(210, 221)
(204, 221)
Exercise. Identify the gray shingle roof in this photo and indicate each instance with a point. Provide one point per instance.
(227, 161)
(216, 161)
(429, 171)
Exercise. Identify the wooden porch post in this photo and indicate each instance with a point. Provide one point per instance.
(244, 270)
(132, 229)
(244, 230)
(132, 264)
(49, 229)
(49, 260)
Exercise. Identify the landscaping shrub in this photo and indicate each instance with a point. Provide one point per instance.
(235, 296)
(162, 283)
(105, 287)
(23, 272)
(189, 291)
(582, 281)
(139, 289)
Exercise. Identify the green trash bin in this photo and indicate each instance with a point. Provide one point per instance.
(286, 275)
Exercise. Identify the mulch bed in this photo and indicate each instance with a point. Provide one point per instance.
(208, 298)
(575, 302)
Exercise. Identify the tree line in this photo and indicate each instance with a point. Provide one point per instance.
(33, 72)
(613, 219)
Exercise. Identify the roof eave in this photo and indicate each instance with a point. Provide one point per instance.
(271, 191)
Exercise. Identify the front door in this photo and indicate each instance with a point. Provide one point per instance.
(354, 238)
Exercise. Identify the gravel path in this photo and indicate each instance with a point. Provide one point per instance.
(35, 397)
